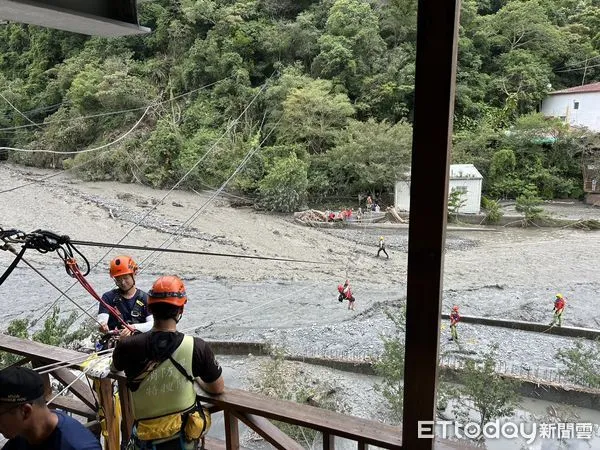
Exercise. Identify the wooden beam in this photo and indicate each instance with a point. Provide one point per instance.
(232, 432)
(37, 350)
(74, 406)
(437, 36)
(362, 446)
(79, 388)
(354, 428)
(21, 362)
(269, 432)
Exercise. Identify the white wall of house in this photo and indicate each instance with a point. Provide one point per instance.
(402, 195)
(577, 109)
(472, 197)
(464, 177)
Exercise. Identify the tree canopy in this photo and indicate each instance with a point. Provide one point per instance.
(325, 86)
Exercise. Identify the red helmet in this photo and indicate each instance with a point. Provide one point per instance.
(455, 308)
(168, 289)
(340, 288)
(123, 265)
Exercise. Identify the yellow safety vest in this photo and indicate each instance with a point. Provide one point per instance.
(165, 390)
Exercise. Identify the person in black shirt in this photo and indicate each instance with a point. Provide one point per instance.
(162, 366)
(28, 423)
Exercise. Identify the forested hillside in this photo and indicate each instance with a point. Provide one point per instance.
(324, 88)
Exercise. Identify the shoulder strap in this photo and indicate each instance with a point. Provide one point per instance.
(181, 369)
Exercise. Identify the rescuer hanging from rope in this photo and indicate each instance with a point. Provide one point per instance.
(130, 302)
(454, 319)
(345, 293)
(559, 307)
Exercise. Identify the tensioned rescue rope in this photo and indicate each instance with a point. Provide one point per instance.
(69, 362)
(47, 241)
(102, 154)
(198, 211)
(196, 164)
(81, 375)
(193, 252)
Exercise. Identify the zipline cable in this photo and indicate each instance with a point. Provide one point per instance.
(211, 149)
(192, 252)
(195, 215)
(87, 150)
(112, 113)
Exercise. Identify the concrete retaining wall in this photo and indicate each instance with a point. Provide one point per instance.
(586, 333)
(552, 392)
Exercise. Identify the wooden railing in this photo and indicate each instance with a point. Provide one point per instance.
(253, 410)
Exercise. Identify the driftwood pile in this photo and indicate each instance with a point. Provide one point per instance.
(393, 215)
(310, 215)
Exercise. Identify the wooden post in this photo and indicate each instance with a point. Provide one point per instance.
(126, 411)
(437, 36)
(328, 441)
(108, 406)
(232, 433)
(362, 446)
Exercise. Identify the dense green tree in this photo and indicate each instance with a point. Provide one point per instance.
(370, 156)
(284, 186)
(313, 115)
(330, 81)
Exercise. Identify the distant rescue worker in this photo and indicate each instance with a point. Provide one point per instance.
(382, 247)
(126, 298)
(454, 319)
(162, 368)
(559, 307)
(345, 293)
(369, 203)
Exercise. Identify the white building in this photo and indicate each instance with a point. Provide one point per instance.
(463, 177)
(578, 106)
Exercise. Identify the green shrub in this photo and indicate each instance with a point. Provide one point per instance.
(493, 210)
(284, 187)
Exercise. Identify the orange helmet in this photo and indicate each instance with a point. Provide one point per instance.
(123, 265)
(455, 308)
(168, 289)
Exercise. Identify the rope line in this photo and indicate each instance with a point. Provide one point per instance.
(67, 362)
(211, 149)
(87, 150)
(81, 375)
(197, 213)
(17, 109)
(112, 113)
(192, 252)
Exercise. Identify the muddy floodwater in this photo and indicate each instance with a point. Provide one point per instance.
(508, 273)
